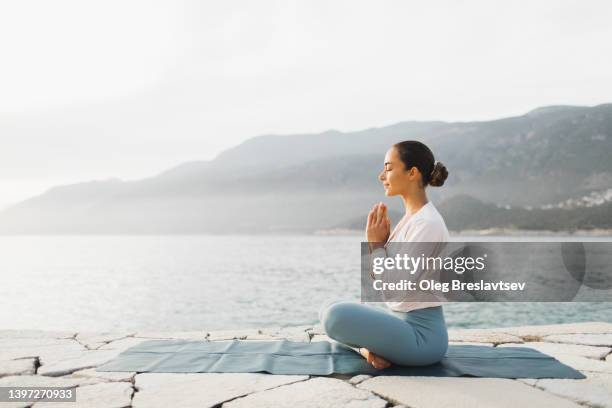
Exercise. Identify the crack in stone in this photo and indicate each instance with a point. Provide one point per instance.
(75, 338)
(529, 338)
(219, 405)
(37, 364)
(104, 342)
(390, 401)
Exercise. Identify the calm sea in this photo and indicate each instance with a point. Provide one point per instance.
(199, 282)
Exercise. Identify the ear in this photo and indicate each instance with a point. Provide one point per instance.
(414, 172)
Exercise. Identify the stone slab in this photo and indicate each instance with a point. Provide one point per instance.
(359, 378)
(585, 364)
(126, 376)
(44, 381)
(594, 391)
(187, 390)
(565, 328)
(24, 366)
(322, 337)
(85, 359)
(317, 329)
(462, 392)
(604, 339)
(231, 334)
(303, 337)
(36, 334)
(482, 336)
(473, 343)
(184, 335)
(555, 349)
(45, 348)
(93, 340)
(122, 344)
(317, 392)
(103, 395)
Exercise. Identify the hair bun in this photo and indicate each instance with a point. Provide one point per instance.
(438, 175)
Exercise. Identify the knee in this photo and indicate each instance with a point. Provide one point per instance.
(335, 316)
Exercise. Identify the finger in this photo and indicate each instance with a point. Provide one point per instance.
(375, 215)
(379, 213)
(369, 222)
(384, 213)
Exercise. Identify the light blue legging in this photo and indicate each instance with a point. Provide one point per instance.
(414, 338)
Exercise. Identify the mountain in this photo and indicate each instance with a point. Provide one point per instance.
(463, 212)
(306, 182)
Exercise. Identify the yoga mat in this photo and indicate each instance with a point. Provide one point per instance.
(324, 358)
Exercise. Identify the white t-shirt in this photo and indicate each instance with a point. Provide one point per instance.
(425, 225)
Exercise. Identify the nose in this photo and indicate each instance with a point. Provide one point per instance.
(381, 176)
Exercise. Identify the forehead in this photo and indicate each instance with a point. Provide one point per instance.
(391, 156)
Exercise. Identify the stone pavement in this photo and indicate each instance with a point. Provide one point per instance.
(38, 358)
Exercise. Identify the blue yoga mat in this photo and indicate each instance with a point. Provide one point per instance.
(325, 358)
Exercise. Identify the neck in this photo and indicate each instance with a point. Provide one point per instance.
(414, 200)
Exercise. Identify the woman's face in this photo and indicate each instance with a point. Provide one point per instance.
(396, 180)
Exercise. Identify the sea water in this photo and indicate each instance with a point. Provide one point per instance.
(204, 282)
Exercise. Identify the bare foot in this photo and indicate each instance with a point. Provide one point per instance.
(376, 361)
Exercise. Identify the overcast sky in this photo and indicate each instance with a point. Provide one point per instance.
(94, 90)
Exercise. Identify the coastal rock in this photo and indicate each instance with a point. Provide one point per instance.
(103, 395)
(322, 337)
(555, 349)
(359, 378)
(302, 337)
(187, 335)
(43, 381)
(566, 328)
(317, 329)
(286, 330)
(436, 392)
(297, 333)
(38, 381)
(585, 339)
(201, 389)
(585, 364)
(43, 347)
(528, 381)
(231, 334)
(36, 334)
(95, 340)
(24, 366)
(104, 375)
(482, 336)
(594, 391)
(122, 344)
(317, 392)
(66, 356)
(85, 359)
(470, 343)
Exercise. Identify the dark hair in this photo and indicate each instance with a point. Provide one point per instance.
(416, 154)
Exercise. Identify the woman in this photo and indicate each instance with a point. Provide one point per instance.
(411, 333)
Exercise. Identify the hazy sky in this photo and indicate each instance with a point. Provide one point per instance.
(93, 90)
